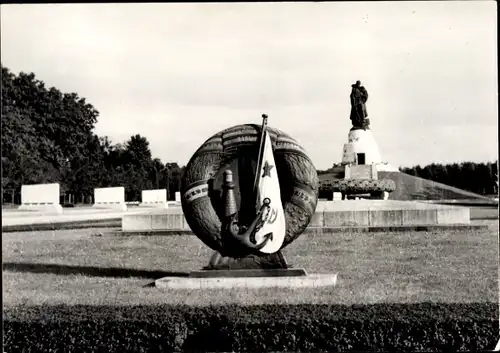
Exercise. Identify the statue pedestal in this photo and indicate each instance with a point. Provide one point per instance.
(242, 273)
(270, 261)
(267, 266)
(361, 148)
(271, 265)
(271, 272)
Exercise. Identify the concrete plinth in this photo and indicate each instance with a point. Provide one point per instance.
(389, 213)
(277, 272)
(42, 208)
(344, 213)
(170, 218)
(309, 281)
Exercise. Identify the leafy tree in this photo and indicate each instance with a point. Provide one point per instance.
(156, 174)
(44, 131)
(138, 151)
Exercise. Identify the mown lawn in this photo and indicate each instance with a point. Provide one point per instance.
(75, 267)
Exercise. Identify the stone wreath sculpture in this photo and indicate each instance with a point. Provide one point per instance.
(355, 186)
(218, 200)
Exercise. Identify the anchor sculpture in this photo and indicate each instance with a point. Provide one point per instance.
(270, 216)
(245, 235)
(266, 185)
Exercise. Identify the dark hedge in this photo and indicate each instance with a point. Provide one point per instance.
(379, 327)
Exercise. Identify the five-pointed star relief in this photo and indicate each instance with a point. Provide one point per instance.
(267, 169)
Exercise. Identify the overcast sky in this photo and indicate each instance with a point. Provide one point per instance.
(178, 73)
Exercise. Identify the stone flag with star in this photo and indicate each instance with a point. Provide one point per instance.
(268, 186)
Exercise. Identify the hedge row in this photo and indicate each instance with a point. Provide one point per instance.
(379, 327)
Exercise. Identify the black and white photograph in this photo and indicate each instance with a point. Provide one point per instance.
(250, 176)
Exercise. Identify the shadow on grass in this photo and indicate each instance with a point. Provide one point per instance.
(89, 271)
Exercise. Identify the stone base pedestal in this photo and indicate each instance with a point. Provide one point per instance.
(278, 272)
(265, 262)
(162, 204)
(42, 208)
(309, 281)
(361, 148)
(248, 272)
(388, 213)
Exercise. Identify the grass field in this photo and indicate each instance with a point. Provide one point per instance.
(76, 267)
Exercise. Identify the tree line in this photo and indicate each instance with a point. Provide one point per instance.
(48, 136)
(480, 178)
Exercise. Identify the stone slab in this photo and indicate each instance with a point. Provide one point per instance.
(376, 213)
(386, 218)
(366, 172)
(291, 272)
(346, 218)
(154, 198)
(68, 215)
(111, 198)
(309, 281)
(423, 216)
(167, 221)
(137, 222)
(159, 219)
(362, 213)
(43, 198)
(40, 194)
(353, 205)
(317, 220)
(47, 209)
(331, 230)
(161, 205)
(163, 232)
(411, 228)
(100, 223)
(453, 214)
(155, 195)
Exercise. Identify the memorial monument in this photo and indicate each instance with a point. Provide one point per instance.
(361, 160)
(247, 193)
(247, 200)
(361, 147)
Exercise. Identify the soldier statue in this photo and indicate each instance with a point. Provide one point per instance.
(359, 114)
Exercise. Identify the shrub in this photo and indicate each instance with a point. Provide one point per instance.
(401, 327)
